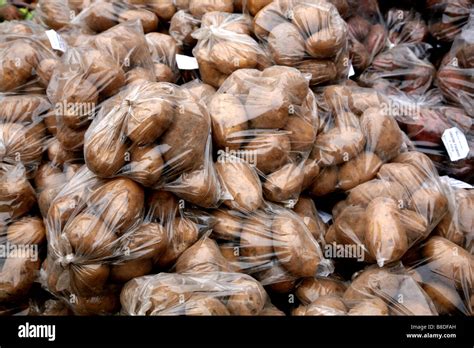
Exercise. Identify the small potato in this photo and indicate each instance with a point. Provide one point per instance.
(271, 150)
(204, 256)
(445, 297)
(338, 146)
(162, 205)
(49, 175)
(28, 230)
(89, 236)
(284, 184)
(372, 283)
(200, 7)
(229, 119)
(276, 279)
(103, 304)
(201, 305)
(358, 170)
(148, 241)
(311, 171)
(209, 72)
(416, 225)
(18, 61)
(403, 174)
(242, 184)
(182, 234)
(163, 73)
(371, 307)
(146, 165)
(326, 42)
(310, 289)
(302, 134)
(249, 300)
(57, 154)
(385, 236)
(429, 203)
(101, 16)
(363, 194)
(325, 182)
(45, 70)
(139, 75)
(148, 119)
(256, 242)
(17, 196)
(69, 138)
(228, 56)
(290, 79)
(306, 209)
(90, 279)
(321, 70)
(228, 225)
(16, 277)
(120, 204)
(323, 306)
(148, 19)
(267, 109)
(382, 133)
(123, 272)
(286, 44)
(294, 246)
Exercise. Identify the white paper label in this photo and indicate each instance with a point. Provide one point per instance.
(325, 216)
(456, 144)
(56, 41)
(456, 183)
(351, 71)
(186, 62)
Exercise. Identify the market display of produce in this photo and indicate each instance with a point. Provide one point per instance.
(226, 157)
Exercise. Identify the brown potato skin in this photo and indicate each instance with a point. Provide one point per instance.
(204, 256)
(242, 183)
(146, 165)
(228, 225)
(28, 230)
(88, 280)
(256, 242)
(123, 272)
(359, 170)
(284, 184)
(148, 19)
(430, 203)
(250, 301)
(271, 149)
(201, 305)
(17, 196)
(17, 277)
(310, 289)
(325, 182)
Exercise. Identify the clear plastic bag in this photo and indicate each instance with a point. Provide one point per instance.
(182, 26)
(308, 35)
(204, 294)
(273, 126)
(456, 75)
(225, 45)
(406, 26)
(163, 49)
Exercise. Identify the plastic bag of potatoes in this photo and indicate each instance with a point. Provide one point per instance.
(269, 120)
(90, 73)
(204, 294)
(447, 17)
(357, 134)
(22, 234)
(405, 67)
(224, 45)
(182, 25)
(388, 215)
(372, 291)
(158, 134)
(456, 75)
(309, 35)
(102, 233)
(163, 50)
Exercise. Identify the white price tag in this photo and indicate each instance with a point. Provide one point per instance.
(351, 71)
(186, 62)
(456, 144)
(56, 41)
(325, 216)
(456, 183)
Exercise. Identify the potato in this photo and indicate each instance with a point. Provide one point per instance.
(321, 70)
(200, 91)
(420, 161)
(28, 230)
(385, 236)
(17, 196)
(306, 209)
(183, 233)
(229, 119)
(242, 184)
(276, 279)
(324, 305)
(267, 108)
(130, 269)
(256, 242)
(337, 146)
(448, 260)
(403, 174)
(284, 184)
(139, 75)
(302, 133)
(199, 7)
(147, 241)
(48, 175)
(45, 70)
(162, 205)
(69, 138)
(20, 143)
(201, 305)
(146, 165)
(271, 150)
(204, 256)
(200, 187)
(231, 253)
(249, 300)
(163, 73)
(382, 133)
(101, 16)
(330, 236)
(372, 283)
(310, 289)
(374, 306)
(58, 155)
(19, 58)
(119, 203)
(54, 13)
(90, 236)
(286, 44)
(294, 246)
(16, 277)
(228, 56)
(311, 171)
(22, 108)
(182, 26)
(88, 280)
(290, 79)
(325, 182)
(254, 6)
(103, 304)
(358, 170)
(227, 226)
(148, 19)
(363, 194)
(445, 298)
(416, 225)
(429, 203)
(209, 72)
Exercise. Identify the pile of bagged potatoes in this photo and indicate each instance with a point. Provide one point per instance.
(226, 157)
